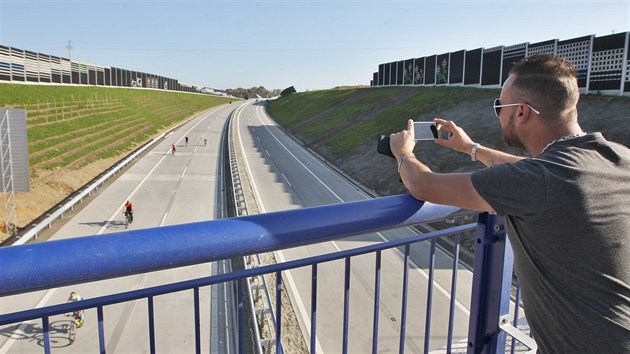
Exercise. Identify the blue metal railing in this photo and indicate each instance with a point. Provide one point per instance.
(44, 265)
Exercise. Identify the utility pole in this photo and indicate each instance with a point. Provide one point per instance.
(69, 50)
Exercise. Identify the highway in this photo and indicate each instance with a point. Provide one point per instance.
(166, 189)
(284, 176)
(172, 189)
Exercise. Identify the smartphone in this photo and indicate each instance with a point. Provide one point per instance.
(425, 131)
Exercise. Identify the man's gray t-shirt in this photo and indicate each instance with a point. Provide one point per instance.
(568, 213)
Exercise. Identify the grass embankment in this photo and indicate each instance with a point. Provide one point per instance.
(343, 125)
(75, 133)
(353, 117)
(73, 126)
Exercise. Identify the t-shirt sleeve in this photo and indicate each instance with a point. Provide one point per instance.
(512, 188)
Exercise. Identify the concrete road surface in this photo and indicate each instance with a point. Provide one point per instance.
(170, 189)
(286, 176)
(166, 189)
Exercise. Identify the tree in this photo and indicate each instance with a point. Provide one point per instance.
(253, 92)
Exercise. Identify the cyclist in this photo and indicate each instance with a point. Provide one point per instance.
(79, 315)
(128, 210)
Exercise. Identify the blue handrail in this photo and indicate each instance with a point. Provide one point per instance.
(27, 267)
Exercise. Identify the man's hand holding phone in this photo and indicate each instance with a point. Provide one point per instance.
(457, 140)
(443, 132)
(402, 143)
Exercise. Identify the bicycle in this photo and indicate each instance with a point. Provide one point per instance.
(128, 218)
(75, 323)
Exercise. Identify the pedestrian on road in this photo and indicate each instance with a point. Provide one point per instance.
(186, 139)
(567, 206)
(173, 149)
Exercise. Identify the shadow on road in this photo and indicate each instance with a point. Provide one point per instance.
(110, 224)
(59, 333)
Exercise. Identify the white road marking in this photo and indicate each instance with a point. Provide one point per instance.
(49, 293)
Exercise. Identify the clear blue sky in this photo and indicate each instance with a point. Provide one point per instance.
(310, 44)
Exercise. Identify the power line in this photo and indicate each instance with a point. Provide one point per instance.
(69, 50)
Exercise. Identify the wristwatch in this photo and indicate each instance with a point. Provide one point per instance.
(473, 152)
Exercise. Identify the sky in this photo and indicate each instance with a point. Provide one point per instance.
(310, 45)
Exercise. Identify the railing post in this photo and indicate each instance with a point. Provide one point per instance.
(492, 281)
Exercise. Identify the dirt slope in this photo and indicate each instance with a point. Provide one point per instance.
(609, 115)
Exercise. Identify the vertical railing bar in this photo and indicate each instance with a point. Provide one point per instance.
(240, 315)
(278, 312)
(491, 286)
(197, 321)
(346, 306)
(403, 312)
(151, 325)
(46, 330)
(377, 299)
(101, 329)
(313, 308)
(517, 305)
(427, 327)
(451, 318)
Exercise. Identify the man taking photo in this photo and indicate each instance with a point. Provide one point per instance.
(567, 207)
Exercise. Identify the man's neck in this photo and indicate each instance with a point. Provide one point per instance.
(539, 145)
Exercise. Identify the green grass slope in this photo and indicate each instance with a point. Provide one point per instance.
(359, 115)
(343, 125)
(71, 126)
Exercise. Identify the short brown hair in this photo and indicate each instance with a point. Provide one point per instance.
(549, 84)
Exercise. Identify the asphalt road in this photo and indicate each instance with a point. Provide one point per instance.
(171, 189)
(166, 189)
(286, 176)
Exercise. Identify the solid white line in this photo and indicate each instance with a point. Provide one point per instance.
(298, 160)
(247, 168)
(424, 274)
(286, 179)
(300, 304)
(20, 331)
(289, 278)
(133, 192)
(7, 345)
(226, 312)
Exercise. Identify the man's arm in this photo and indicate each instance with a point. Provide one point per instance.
(460, 141)
(440, 188)
(491, 157)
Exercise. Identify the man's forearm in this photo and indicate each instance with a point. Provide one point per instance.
(448, 189)
(491, 157)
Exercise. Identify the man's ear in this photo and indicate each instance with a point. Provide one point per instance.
(524, 114)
